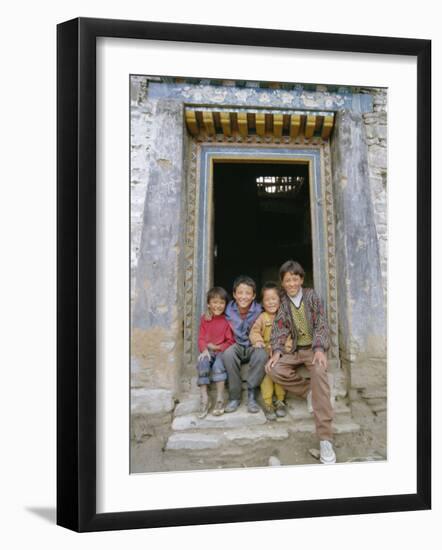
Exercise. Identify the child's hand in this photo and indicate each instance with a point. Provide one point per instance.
(213, 347)
(203, 354)
(320, 358)
(259, 345)
(272, 361)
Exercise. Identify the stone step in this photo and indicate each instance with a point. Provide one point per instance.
(197, 441)
(242, 428)
(296, 408)
(238, 419)
(339, 427)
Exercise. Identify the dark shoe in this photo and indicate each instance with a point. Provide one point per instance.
(232, 405)
(280, 409)
(269, 412)
(252, 405)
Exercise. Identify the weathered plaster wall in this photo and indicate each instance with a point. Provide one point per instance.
(360, 278)
(157, 305)
(359, 172)
(140, 126)
(376, 134)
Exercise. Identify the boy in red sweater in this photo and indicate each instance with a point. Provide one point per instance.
(215, 336)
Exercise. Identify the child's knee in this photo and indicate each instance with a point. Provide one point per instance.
(230, 358)
(259, 356)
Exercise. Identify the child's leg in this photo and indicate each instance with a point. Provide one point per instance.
(220, 390)
(203, 368)
(204, 393)
(267, 393)
(285, 374)
(219, 376)
(267, 389)
(232, 362)
(218, 409)
(205, 402)
(279, 392)
(280, 407)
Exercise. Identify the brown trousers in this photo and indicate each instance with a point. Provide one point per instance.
(285, 374)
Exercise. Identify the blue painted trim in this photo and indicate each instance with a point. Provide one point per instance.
(210, 152)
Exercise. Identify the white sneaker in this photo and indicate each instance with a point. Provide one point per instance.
(327, 454)
(309, 402)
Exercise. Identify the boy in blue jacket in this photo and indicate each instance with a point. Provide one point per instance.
(241, 313)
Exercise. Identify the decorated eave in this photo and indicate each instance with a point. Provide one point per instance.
(219, 124)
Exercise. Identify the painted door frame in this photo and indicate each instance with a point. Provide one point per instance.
(200, 227)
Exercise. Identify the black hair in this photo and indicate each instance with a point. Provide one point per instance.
(292, 267)
(244, 280)
(269, 285)
(217, 292)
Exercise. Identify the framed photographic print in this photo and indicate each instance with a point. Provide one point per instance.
(240, 334)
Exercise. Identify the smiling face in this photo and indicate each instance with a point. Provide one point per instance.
(270, 300)
(244, 296)
(216, 306)
(291, 283)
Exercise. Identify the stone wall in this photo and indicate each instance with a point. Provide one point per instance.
(157, 316)
(376, 134)
(359, 172)
(141, 109)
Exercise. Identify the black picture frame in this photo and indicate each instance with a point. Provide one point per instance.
(77, 287)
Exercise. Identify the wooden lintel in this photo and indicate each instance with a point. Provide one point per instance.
(208, 122)
(242, 124)
(295, 125)
(277, 125)
(192, 123)
(327, 126)
(225, 123)
(260, 124)
(310, 124)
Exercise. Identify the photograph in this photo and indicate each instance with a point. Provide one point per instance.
(221, 246)
(258, 273)
(250, 249)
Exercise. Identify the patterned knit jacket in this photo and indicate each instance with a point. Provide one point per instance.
(283, 325)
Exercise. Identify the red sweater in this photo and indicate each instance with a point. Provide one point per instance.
(216, 331)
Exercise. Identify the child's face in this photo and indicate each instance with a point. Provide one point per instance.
(244, 296)
(216, 305)
(291, 283)
(270, 300)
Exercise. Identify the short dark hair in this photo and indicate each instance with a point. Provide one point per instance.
(244, 280)
(269, 285)
(217, 292)
(292, 267)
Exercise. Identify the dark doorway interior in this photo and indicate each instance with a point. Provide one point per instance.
(262, 219)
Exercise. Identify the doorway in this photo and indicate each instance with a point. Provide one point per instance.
(262, 217)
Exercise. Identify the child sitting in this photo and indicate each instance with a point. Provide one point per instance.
(260, 338)
(215, 336)
(301, 316)
(242, 312)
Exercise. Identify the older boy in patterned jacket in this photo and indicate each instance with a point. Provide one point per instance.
(301, 317)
